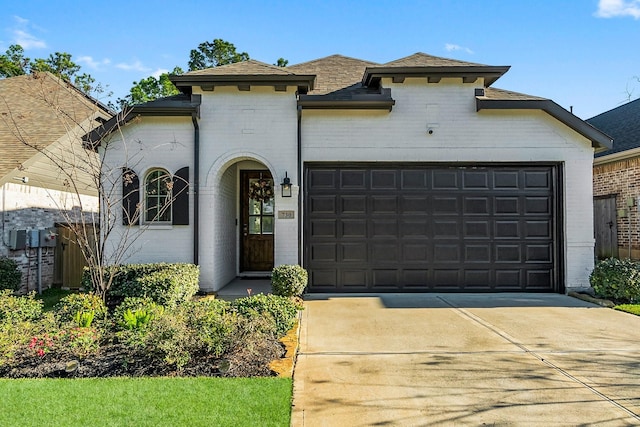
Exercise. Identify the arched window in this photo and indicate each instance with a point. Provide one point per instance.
(158, 187)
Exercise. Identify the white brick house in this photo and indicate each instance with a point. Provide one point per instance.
(412, 176)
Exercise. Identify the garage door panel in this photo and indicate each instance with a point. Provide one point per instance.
(477, 229)
(431, 228)
(323, 205)
(382, 253)
(445, 180)
(323, 228)
(507, 229)
(506, 180)
(323, 252)
(354, 252)
(354, 280)
(506, 205)
(385, 279)
(414, 179)
(477, 253)
(353, 204)
(353, 179)
(413, 253)
(354, 228)
(383, 180)
(475, 180)
(473, 205)
(384, 228)
(384, 205)
(446, 229)
(418, 204)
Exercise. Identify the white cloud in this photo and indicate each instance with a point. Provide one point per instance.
(616, 8)
(22, 35)
(157, 73)
(92, 63)
(27, 40)
(136, 66)
(450, 47)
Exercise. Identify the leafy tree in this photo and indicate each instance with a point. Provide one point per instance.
(59, 64)
(282, 62)
(13, 62)
(215, 53)
(152, 88)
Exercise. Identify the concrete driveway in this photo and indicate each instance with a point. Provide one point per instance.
(465, 359)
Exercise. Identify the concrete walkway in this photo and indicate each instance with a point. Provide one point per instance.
(466, 359)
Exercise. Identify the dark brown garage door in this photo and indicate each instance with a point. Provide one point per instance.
(431, 228)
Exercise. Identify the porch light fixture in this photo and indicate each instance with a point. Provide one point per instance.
(286, 186)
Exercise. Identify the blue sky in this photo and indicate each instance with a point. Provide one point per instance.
(580, 53)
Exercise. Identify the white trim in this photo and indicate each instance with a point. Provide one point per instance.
(622, 155)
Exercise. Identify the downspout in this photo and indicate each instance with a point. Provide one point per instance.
(196, 186)
(300, 209)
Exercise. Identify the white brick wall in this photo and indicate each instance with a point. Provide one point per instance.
(143, 144)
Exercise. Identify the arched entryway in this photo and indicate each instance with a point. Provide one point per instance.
(257, 220)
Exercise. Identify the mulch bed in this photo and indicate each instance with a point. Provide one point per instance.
(116, 360)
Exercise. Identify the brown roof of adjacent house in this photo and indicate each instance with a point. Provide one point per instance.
(37, 110)
(333, 72)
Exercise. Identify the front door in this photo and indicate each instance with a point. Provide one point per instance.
(257, 205)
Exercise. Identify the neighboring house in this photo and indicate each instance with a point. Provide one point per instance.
(410, 176)
(42, 119)
(616, 183)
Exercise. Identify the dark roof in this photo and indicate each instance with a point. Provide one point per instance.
(42, 108)
(353, 97)
(498, 99)
(176, 105)
(623, 123)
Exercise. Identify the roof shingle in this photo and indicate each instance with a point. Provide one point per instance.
(623, 124)
(38, 109)
(333, 72)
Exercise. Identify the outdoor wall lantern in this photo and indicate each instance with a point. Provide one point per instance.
(286, 186)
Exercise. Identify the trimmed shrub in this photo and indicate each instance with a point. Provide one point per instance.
(289, 280)
(10, 275)
(79, 307)
(617, 279)
(282, 310)
(19, 309)
(167, 284)
(213, 324)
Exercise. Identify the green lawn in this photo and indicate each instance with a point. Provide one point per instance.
(629, 308)
(146, 402)
(51, 296)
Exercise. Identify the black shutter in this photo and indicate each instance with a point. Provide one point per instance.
(180, 205)
(130, 197)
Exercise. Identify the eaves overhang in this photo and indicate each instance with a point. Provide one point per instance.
(616, 157)
(182, 82)
(599, 140)
(434, 74)
(346, 100)
(175, 107)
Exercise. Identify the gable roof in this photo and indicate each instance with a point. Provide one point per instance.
(623, 123)
(40, 109)
(499, 99)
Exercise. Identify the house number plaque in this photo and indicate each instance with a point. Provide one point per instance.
(286, 215)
